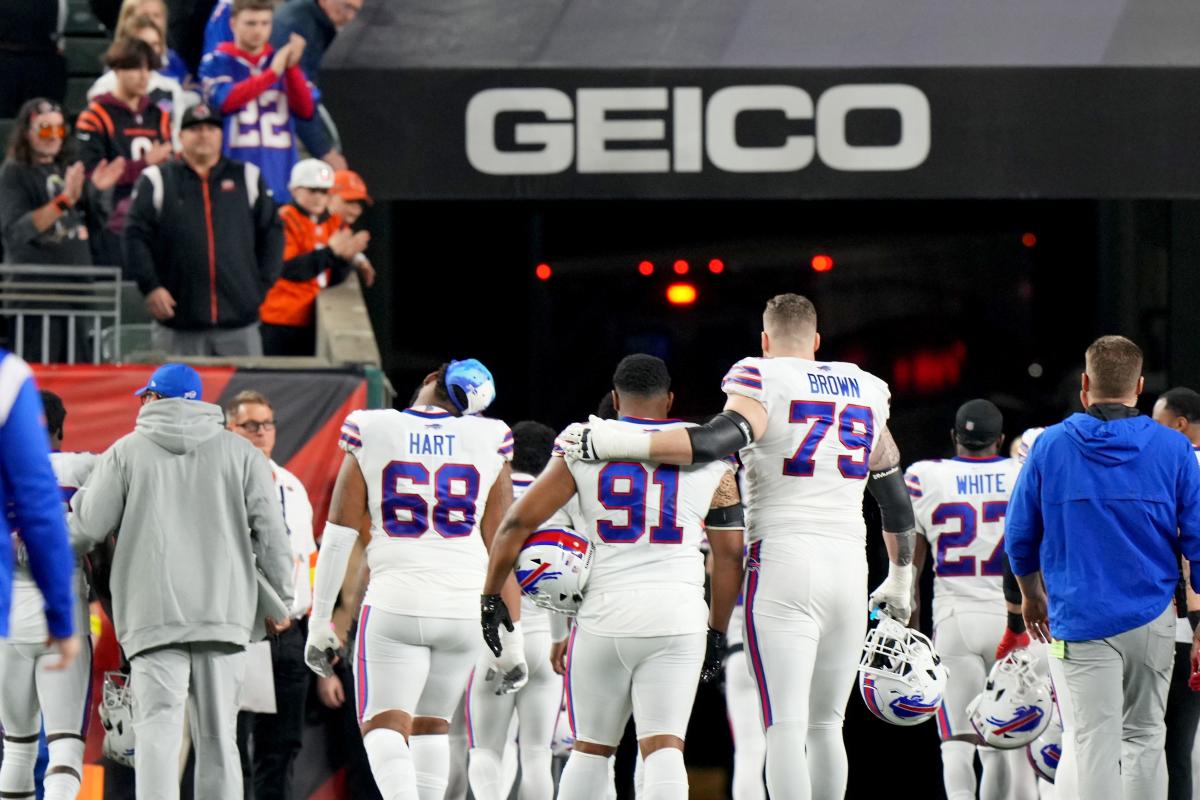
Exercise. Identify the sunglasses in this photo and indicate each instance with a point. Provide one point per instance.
(47, 131)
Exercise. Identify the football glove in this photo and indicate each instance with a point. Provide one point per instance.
(509, 670)
(598, 442)
(492, 614)
(1011, 641)
(894, 596)
(714, 656)
(322, 648)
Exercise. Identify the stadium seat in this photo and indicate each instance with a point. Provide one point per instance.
(81, 21)
(76, 99)
(84, 55)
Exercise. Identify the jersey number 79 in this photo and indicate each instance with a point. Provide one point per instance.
(855, 430)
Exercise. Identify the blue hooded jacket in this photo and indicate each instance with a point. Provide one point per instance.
(1103, 509)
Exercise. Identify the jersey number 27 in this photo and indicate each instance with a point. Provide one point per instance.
(960, 566)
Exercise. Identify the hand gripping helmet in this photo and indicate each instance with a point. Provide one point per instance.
(470, 386)
(553, 568)
(900, 676)
(116, 715)
(1045, 751)
(1014, 707)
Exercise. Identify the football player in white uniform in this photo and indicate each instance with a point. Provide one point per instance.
(639, 637)
(741, 704)
(489, 710)
(428, 485)
(959, 505)
(33, 692)
(812, 435)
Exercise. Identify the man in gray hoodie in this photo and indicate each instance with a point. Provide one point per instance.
(194, 509)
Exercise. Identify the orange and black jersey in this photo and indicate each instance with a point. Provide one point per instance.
(308, 266)
(109, 128)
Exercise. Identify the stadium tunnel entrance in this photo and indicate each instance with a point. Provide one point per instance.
(968, 206)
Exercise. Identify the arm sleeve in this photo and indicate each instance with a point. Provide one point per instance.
(916, 495)
(1187, 504)
(217, 30)
(1023, 523)
(141, 225)
(268, 238)
(269, 540)
(37, 507)
(92, 142)
(299, 93)
(312, 133)
(307, 266)
(222, 91)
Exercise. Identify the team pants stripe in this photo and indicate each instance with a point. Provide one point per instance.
(943, 720)
(567, 682)
(467, 709)
(760, 674)
(361, 643)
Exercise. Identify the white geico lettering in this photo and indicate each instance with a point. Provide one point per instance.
(581, 132)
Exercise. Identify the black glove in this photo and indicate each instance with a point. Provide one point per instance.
(714, 656)
(492, 614)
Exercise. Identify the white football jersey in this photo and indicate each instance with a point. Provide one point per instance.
(535, 619)
(807, 473)
(428, 477)
(645, 523)
(298, 516)
(27, 621)
(960, 504)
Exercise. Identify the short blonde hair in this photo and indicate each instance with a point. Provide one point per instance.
(246, 397)
(790, 316)
(129, 11)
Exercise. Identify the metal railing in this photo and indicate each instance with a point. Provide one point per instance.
(55, 304)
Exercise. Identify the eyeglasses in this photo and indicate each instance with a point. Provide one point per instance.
(47, 131)
(255, 427)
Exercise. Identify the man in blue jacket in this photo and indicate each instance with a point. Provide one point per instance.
(1105, 504)
(34, 509)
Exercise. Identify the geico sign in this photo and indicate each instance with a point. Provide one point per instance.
(581, 132)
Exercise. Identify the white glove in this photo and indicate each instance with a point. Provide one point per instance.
(596, 441)
(509, 670)
(894, 596)
(322, 647)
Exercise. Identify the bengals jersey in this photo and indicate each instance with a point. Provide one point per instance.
(108, 129)
(428, 476)
(645, 523)
(807, 473)
(960, 504)
(308, 267)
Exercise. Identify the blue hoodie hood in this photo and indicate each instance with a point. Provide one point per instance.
(1111, 442)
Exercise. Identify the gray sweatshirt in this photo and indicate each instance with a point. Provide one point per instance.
(193, 506)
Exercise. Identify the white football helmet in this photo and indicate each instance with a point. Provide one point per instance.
(1015, 705)
(553, 568)
(1045, 751)
(116, 715)
(900, 676)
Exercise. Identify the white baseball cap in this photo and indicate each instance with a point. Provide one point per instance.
(311, 173)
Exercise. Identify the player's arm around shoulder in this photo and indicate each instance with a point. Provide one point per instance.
(725, 527)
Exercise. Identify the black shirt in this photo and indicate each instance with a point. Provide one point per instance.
(24, 189)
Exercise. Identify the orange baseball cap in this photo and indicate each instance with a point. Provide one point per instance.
(349, 185)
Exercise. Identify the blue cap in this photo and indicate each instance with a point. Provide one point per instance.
(470, 386)
(174, 380)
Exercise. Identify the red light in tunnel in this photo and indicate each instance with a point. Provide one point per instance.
(646, 268)
(543, 272)
(716, 266)
(822, 263)
(1029, 239)
(681, 267)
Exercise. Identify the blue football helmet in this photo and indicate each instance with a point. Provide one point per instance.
(470, 386)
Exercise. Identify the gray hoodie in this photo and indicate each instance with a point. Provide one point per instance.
(193, 505)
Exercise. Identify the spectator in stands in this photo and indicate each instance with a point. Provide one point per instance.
(318, 21)
(318, 251)
(123, 124)
(277, 737)
(204, 244)
(260, 89)
(43, 203)
(164, 91)
(346, 200)
(195, 513)
(31, 57)
(217, 30)
(173, 65)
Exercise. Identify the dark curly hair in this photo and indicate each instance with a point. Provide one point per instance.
(19, 150)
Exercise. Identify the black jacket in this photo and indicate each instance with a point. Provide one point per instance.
(215, 245)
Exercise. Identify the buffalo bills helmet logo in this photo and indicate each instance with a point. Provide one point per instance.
(1026, 718)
